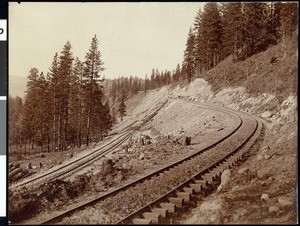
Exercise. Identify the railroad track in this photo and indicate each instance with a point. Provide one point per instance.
(159, 209)
(72, 167)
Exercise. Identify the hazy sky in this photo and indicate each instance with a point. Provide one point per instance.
(134, 37)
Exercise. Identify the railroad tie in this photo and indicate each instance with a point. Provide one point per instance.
(156, 217)
(201, 183)
(162, 211)
(189, 190)
(177, 201)
(196, 187)
(216, 172)
(142, 221)
(230, 162)
(208, 178)
(185, 195)
(169, 206)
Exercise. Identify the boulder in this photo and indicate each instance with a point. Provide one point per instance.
(215, 204)
(142, 156)
(147, 142)
(264, 197)
(266, 157)
(184, 140)
(261, 174)
(211, 212)
(225, 177)
(259, 157)
(243, 170)
(284, 201)
(274, 209)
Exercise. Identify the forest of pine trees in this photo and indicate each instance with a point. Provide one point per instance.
(66, 106)
(220, 30)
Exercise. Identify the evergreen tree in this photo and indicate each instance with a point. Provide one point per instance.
(113, 92)
(93, 66)
(288, 19)
(189, 62)
(64, 72)
(152, 80)
(147, 84)
(232, 29)
(176, 74)
(55, 95)
(30, 120)
(76, 104)
(107, 119)
(255, 28)
(122, 106)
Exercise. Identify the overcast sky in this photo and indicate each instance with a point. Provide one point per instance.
(134, 37)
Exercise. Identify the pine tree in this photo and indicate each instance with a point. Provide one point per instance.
(255, 28)
(107, 119)
(212, 33)
(76, 104)
(16, 137)
(200, 44)
(232, 29)
(122, 106)
(30, 121)
(288, 19)
(189, 62)
(146, 84)
(93, 66)
(152, 79)
(176, 74)
(113, 92)
(64, 72)
(55, 95)
(273, 21)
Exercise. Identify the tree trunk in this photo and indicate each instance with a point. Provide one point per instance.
(54, 128)
(48, 140)
(41, 130)
(88, 128)
(59, 127)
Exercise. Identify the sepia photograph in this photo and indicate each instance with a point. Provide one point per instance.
(152, 113)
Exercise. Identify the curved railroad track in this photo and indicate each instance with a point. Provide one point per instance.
(223, 154)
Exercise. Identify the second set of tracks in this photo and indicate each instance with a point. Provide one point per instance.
(199, 171)
(74, 166)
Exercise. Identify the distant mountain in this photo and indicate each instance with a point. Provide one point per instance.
(17, 85)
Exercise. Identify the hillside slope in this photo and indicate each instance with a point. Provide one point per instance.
(272, 71)
(269, 92)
